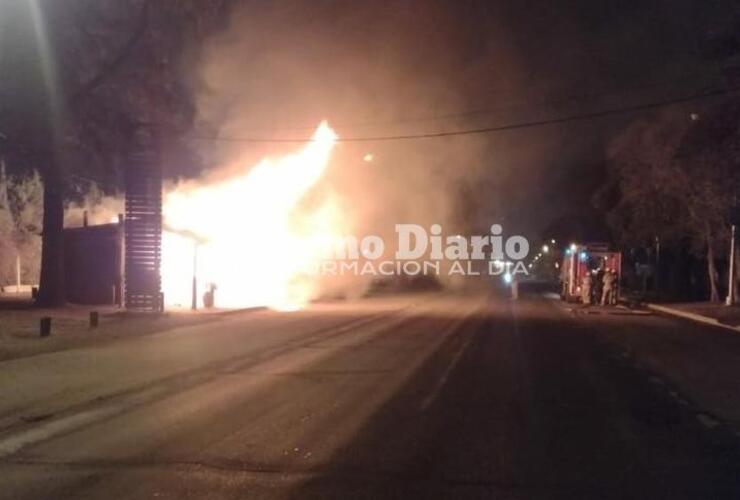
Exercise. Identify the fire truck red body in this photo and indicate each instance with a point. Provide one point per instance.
(581, 259)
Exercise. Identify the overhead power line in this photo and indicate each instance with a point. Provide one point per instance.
(472, 113)
(493, 129)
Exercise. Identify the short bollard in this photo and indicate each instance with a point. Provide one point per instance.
(94, 319)
(45, 326)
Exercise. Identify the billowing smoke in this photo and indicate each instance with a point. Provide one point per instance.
(371, 71)
(98, 207)
(282, 67)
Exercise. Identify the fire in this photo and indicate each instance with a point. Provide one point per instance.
(247, 231)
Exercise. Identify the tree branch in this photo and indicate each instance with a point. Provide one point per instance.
(116, 62)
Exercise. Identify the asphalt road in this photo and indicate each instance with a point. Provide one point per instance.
(420, 397)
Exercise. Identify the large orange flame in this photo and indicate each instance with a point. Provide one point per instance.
(250, 243)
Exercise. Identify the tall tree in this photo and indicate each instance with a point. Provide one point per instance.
(83, 74)
(676, 176)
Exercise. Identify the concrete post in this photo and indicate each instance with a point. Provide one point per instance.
(45, 326)
(94, 318)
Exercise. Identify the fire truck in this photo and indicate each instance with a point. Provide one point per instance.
(581, 259)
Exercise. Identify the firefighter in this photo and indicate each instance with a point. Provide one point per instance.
(586, 289)
(598, 284)
(607, 295)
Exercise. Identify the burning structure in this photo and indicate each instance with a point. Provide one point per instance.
(245, 234)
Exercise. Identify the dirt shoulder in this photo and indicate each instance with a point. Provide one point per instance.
(19, 326)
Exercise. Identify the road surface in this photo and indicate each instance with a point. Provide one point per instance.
(427, 396)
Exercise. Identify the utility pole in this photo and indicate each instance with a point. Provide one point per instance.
(657, 266)
(734, 220)
(194, 302)
(731, 299)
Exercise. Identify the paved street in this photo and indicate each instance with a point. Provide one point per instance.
(427, 396)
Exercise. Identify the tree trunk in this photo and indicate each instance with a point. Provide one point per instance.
(52, 292)
(712, 269)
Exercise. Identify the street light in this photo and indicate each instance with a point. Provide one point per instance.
(545, 248)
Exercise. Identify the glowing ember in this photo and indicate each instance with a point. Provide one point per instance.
(249, 231)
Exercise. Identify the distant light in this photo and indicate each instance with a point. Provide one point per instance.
(545, 248)
(507, 278)
(368, 157)
(530, 266)
(694, 117)
(557, 265)
(573, 247)
(552, 241)
(584, 255)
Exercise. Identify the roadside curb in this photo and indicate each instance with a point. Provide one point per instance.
(692, 316)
